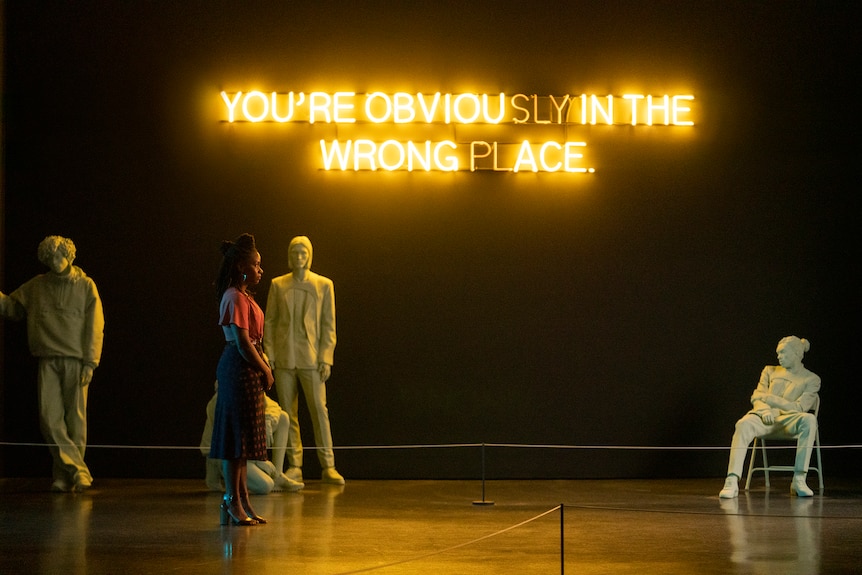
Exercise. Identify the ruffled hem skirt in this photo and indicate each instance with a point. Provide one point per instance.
(239, 427)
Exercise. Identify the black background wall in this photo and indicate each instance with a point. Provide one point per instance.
(631, 307)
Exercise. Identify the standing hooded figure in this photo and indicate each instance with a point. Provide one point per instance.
(65, 328)
(299, 338)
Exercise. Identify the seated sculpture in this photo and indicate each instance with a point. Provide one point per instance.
(263, 476)
(780, 405)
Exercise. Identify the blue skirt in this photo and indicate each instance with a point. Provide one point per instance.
(239, 428)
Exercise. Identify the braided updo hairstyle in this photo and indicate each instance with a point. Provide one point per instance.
(234, 254)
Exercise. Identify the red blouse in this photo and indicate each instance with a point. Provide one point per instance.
(241, 310)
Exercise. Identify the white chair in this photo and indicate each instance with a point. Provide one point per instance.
(766, 468)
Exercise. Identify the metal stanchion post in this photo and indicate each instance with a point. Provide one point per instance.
(484, 501)
(562, 541)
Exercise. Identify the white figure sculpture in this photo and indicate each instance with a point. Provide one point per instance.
(780, 402)
(264, 476)
(65, 329)
(299, 338)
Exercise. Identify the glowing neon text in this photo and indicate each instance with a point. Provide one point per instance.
(467, 108)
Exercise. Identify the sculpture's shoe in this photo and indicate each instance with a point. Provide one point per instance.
(731, 488)
(330, 475)
(81, 486)
(285, 483)
(294, 473)
(60, 486)
(83, 482)
(799, 487)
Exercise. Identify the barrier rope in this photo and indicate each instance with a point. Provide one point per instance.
(451, 445)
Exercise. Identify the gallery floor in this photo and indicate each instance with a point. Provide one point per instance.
(391, 527)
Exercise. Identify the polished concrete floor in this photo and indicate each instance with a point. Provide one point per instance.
(391, 527)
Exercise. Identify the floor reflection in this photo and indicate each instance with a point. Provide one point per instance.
(624, 527)
(771, 535)
(68, 535)
(301, 520)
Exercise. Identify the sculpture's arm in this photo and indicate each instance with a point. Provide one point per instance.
(94, 332)
(779, 402)
(799, 405)
(761, 392)
(759, 403)
(10, 308)
(270, 321)
(326, 329)
(809, 397)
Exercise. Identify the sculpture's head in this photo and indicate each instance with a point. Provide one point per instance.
(299, 253)
(57, 253)
(791, 349)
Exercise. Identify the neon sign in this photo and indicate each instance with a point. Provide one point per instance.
(464, 109)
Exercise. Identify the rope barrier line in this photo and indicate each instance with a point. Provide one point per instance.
(452, 548)
(449, 446)
(709, 513)
(653, 447)
(91, 446)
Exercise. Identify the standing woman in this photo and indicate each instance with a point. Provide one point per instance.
(239, 429)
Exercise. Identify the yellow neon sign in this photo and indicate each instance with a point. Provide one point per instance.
(464, 109)
(447, 156)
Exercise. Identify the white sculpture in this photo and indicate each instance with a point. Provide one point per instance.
(239, 430)
(65, 329)
(300, 340)
(263, 475)
(781, 402)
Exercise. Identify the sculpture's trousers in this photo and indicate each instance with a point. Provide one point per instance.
(63, 417)
(802, 426)
(287, 382)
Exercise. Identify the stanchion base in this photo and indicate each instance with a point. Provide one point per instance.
(483, 502)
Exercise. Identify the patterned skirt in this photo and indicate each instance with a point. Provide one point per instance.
(239, 428)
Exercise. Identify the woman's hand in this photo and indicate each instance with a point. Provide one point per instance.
(269, 379)
(252, 354)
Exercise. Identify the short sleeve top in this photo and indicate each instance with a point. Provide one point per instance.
(241, 310)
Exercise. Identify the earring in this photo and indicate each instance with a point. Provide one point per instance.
(244, 277)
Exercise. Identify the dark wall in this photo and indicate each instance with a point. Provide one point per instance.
(635, 306)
